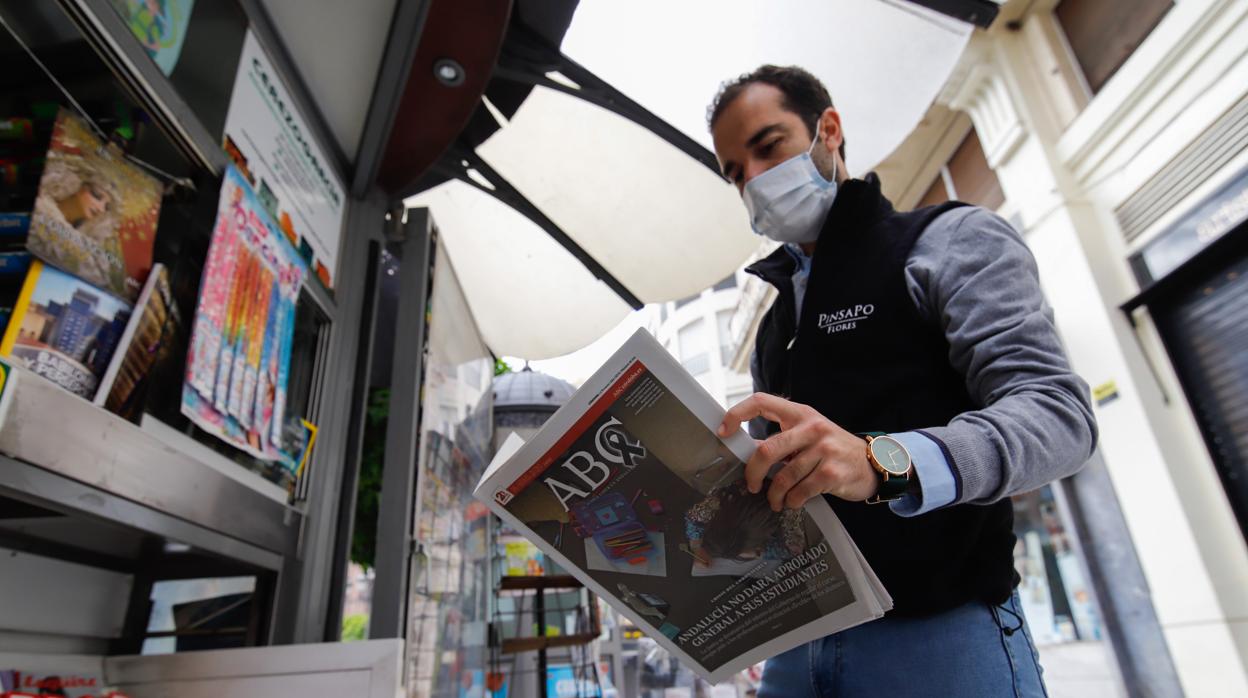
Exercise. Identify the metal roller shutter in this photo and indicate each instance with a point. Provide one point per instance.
(1205, 328)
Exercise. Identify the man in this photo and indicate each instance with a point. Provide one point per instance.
(909, 370)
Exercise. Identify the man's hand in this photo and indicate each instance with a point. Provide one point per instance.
(819, 457)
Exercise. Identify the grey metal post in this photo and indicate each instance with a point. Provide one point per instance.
(345, 526)
(304, 590)
(1118, 582)
(398, 479)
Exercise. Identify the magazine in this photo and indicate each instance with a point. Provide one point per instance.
(629, 488)
(95, 214)
(159, 26)
(238, 364)
(148, 335)
(13, 230)
(64, 329)
(15, 683)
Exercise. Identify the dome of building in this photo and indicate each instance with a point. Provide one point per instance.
(529, 390)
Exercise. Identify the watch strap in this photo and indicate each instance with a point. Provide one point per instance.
(891, 488)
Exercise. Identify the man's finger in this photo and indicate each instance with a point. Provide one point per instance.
(769, 407)
(794, 473)
(813, 485)
(772, 451)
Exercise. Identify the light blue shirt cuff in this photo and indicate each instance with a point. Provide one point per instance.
(936, 482)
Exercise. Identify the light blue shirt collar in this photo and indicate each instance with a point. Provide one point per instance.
(801, 275)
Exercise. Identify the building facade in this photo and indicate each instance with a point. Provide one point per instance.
(696, 331)
(1114, 137)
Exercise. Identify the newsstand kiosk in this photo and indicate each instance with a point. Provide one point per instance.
(155, 154)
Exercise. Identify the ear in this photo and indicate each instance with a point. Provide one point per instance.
(830, 125)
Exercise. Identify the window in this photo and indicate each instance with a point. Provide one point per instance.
(1104, 33)
(728, 282)
(693, 347)
(936, 193)
(965, 177)
(723, 318)
(973, 180)
(687, 300)
(735, 398)
(1055, 593)
(200, 614)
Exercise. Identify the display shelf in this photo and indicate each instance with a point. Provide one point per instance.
(72, 454)
(532, 644)
(561, 581)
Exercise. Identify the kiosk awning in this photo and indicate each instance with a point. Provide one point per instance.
(567, 205)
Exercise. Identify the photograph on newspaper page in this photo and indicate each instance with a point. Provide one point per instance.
(629, 488)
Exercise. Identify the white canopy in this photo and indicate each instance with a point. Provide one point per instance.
(661, 223)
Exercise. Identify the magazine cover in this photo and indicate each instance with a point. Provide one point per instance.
(629, 488)
(13, 230)
(95, 214)
(238, 361)
(14, 264)
(64, 329)
(149, 333)
(16, 683)
(160, 25)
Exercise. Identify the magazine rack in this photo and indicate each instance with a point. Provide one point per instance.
(96, 510)
(507, 638)
(95, 504)
(100, 451)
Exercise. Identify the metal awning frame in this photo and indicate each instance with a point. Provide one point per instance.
(527, 59)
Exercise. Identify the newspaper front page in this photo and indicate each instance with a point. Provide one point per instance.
(629, 488)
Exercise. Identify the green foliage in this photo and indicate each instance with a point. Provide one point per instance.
(368, 494)
(501, 367)
(355, 627)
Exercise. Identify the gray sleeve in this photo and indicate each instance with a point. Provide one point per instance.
(972, 274)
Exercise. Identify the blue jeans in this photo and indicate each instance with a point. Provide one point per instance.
(970, 651)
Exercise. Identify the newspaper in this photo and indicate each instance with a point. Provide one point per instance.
(629, 488)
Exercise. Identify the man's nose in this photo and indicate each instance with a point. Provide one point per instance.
(752, 169)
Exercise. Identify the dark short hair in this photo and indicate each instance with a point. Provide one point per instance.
(804, 94)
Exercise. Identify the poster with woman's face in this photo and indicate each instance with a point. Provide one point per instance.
(95, 214)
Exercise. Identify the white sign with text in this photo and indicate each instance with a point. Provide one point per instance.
(275, 150)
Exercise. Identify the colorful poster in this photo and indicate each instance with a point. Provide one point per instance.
(160, 25)
(236, 377)
(64, 329)
(95, 214)
(272, 146)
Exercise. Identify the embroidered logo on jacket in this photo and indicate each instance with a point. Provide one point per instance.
(845, 318)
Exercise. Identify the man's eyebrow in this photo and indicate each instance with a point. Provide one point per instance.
(762, 133)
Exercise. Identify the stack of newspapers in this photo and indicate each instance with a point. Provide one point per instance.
(629, 488)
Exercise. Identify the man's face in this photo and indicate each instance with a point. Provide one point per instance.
(755, 133)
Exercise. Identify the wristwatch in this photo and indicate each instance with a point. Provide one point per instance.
(892, 465)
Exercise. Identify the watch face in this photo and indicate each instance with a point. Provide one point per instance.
(890, 454)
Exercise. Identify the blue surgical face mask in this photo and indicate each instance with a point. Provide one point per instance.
(789, 202)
